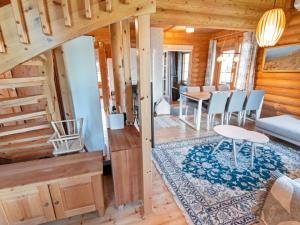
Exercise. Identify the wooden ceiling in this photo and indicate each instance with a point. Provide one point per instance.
(217, 14)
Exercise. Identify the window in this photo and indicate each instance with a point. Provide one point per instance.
(185, 67)
(226, 67)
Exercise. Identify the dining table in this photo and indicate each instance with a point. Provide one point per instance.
(199, 97)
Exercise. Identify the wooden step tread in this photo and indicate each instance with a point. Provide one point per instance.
(27, 136)
(12, 117)
(25, 145)
(19, 101)
(21, 82)
(17, 129)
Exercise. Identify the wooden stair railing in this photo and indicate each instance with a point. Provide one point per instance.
(29, 27)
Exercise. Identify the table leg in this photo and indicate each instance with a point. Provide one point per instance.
(253, 147)
(180, 106)
(234, 152)
(198, 125)
(219, 144)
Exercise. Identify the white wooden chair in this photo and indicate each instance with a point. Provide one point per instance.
(67, 136)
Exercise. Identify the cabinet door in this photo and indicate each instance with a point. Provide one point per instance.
(29, 205)
(126, 169)
(77, 195)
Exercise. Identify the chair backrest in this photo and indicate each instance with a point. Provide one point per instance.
(236, 101)
(182, 89)
(66, 128)
(208, 88)
(193, 89)
(223, 87)
(217, 102)
(254, 100)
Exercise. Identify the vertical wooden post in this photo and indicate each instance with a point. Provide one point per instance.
(104, 76)
(65, 91)
(127, 70)
(118, 69)
(17, 8)
(88, 9)
(49, 87)
(2, 44)
(44, 15)
(67, 12)
(144, 79)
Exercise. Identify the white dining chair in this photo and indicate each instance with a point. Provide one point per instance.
(235, 104)
(253, 103)
(223, 87)
(208, 88)
(217, 104)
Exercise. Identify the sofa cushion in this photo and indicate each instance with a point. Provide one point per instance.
(282, 205)
(285, 125)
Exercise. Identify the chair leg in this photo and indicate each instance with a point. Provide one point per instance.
(239, 118)
(207, 122)
(213, 120)
(244, 119)
(222, 119)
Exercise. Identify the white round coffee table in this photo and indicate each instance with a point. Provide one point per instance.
(231, 132)
(238, 133)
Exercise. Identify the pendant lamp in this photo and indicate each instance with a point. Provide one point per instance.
(270, 27)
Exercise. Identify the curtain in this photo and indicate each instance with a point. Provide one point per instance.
(246, 70)
(210, 70)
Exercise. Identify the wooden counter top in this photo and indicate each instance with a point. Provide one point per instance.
(36, 171)
(124, 139)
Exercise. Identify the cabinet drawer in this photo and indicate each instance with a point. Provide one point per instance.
(29, 205)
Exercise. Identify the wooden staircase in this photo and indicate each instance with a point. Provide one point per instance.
(25, 117)
(31, 27)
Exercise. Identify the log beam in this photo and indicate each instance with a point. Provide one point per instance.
(118, 69)
(104, 76)
(164, 17)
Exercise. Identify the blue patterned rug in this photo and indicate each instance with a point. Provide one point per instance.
(209, 187)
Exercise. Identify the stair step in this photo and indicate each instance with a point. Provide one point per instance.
(24, 137)
(10, 130)
(20, 101)
(25, 145)
(21, 82)
(12, 117)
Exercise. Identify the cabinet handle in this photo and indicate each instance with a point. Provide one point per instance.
(46, 204)
(56, 202)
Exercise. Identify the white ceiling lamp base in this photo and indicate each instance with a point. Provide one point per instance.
(189, 29)
(270, 27)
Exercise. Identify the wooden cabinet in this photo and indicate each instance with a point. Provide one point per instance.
(26, 205)
(125, 147)
(45, 190)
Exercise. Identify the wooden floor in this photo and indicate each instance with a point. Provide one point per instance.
(165, 209)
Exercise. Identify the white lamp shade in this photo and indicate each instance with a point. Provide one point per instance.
(270, 27)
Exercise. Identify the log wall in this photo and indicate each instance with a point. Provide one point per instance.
(200, 43)
(282, 89)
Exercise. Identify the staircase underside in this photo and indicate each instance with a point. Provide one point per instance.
(52, 23)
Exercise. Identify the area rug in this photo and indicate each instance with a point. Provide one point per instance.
(209, 188)
(166, 122)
